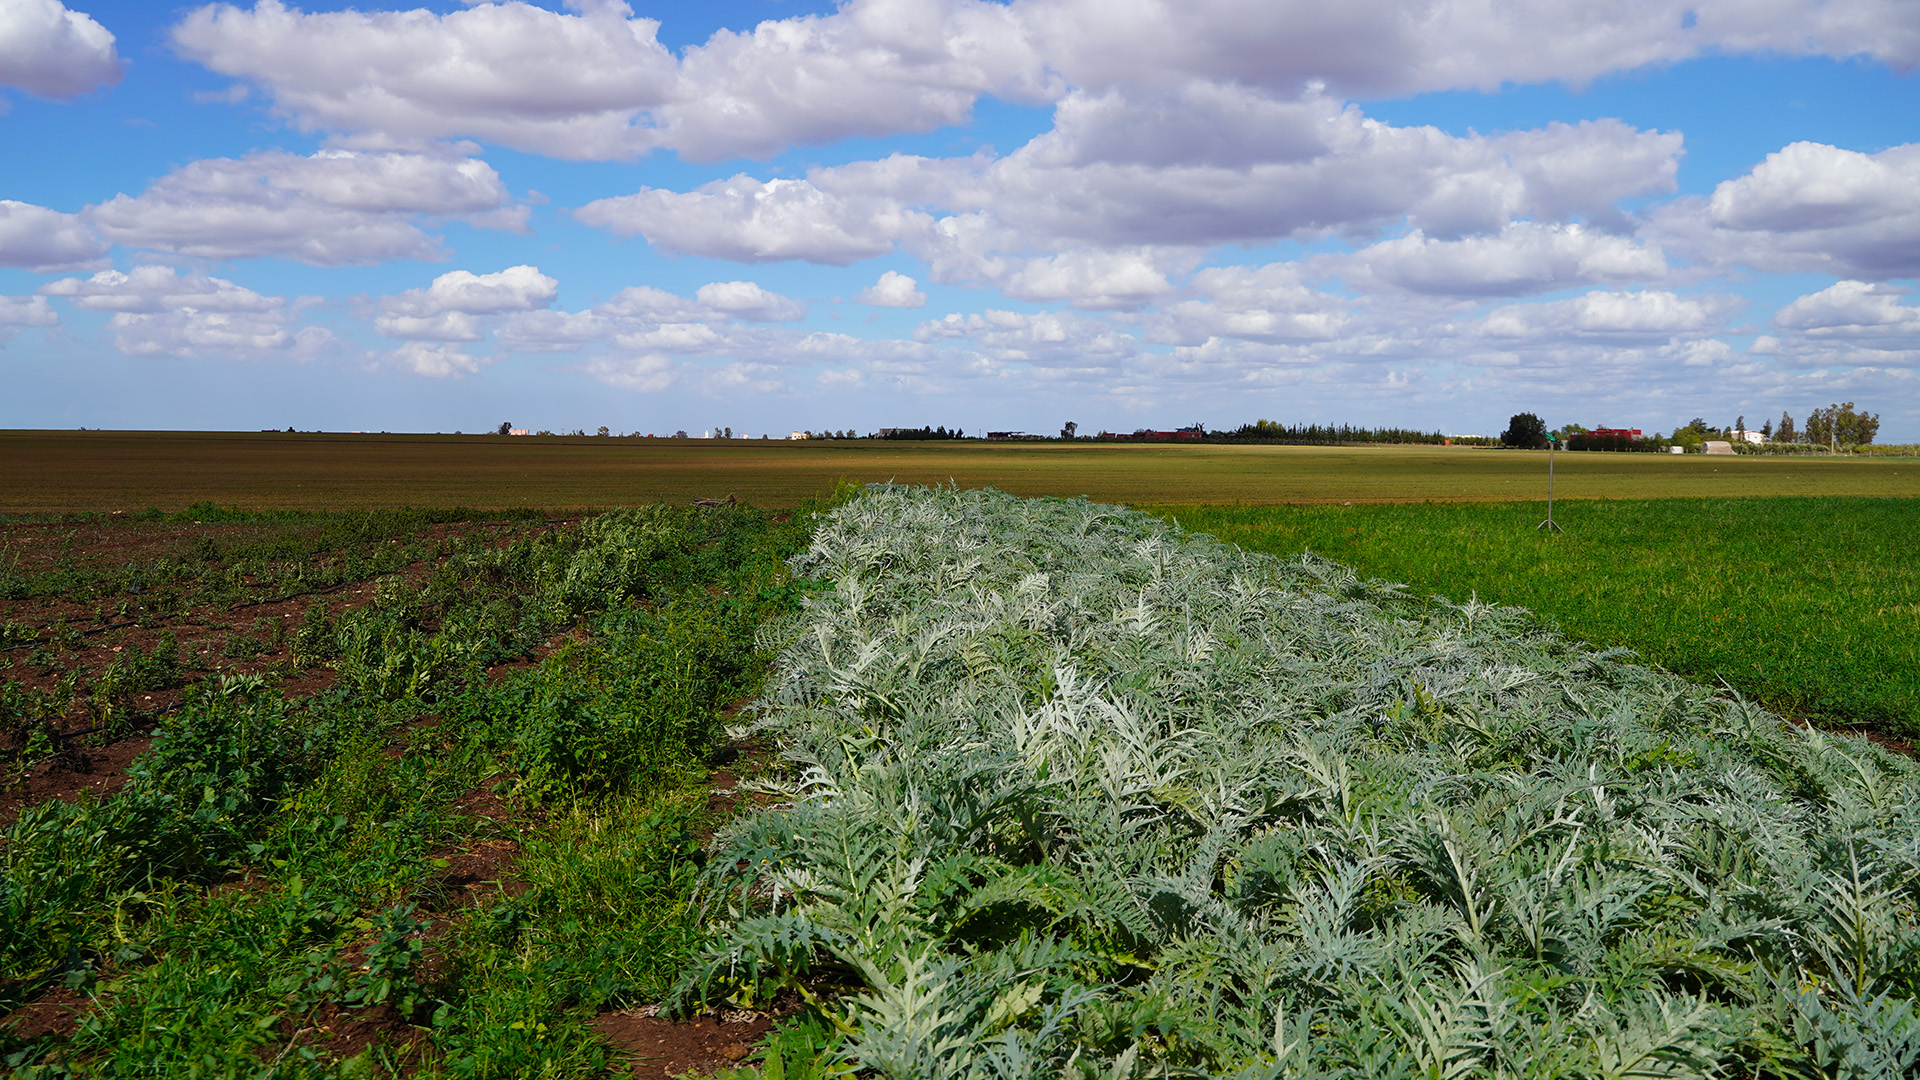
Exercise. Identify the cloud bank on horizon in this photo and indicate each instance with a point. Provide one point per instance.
(894, 212)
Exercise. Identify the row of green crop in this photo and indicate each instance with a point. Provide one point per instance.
(1077, 794)
(269, 555)
(275, 865)
(1807, 604)
(481, 605)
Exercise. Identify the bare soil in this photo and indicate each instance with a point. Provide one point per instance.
(55, 1014)
(485, 865)
(342, 1034)
(82, 770)
(1890, 743)
(657, 1048)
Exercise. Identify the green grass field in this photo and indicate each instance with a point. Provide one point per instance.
(64, 472)
(1811, 605)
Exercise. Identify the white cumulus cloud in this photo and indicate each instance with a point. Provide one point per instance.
(1853, 309)
(1811, 206)
(565, 85)
(332, 208)
(18, 313)
(1523, 257)
(49, 50)
(894, 290)
(433, 359)
(1265, 304)
(153, 289)
(450, 309)
(645, 373)
(1095, 279)
(1650, 314)
(160, 311)
(1366, 175)
(1042, 338)
(1386, 48)
(595, 83)
(46, 241)
(643, 319)
(748, 220)
(875, 67)
(747, 300)
(1048, 222)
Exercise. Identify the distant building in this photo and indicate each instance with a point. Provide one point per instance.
(1186, 434)
(1753, 437)
(1624, 433)
(799, 436)
(519, 431)
(1718, 446)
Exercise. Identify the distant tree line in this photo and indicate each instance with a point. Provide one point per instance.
(1839, 425)
(1835, 424)
(921, 433)
(1269, 431)
(1626, 444)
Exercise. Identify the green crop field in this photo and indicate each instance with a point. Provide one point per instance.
(432, 825)
(938, 782)
(1077, 795)
(1810, 605)
(60, 472)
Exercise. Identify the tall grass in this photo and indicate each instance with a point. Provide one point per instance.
(1811, 606)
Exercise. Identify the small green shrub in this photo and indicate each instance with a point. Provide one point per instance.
(392, 970)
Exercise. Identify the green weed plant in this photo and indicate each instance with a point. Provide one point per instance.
(273, 863)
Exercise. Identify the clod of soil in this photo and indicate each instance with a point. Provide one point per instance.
(55, 1015)
(342, 1034)
(660, 1048)
(100, 770)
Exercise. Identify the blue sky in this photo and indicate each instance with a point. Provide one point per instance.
(777, 215)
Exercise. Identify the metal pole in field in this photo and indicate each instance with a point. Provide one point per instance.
(1550, 525)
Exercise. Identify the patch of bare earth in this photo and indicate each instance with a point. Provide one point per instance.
(737, 762)
(338, 1034)
(98, 771)
(656, 1048)
(486, 862)
(53, 1015)
(1890, 743)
